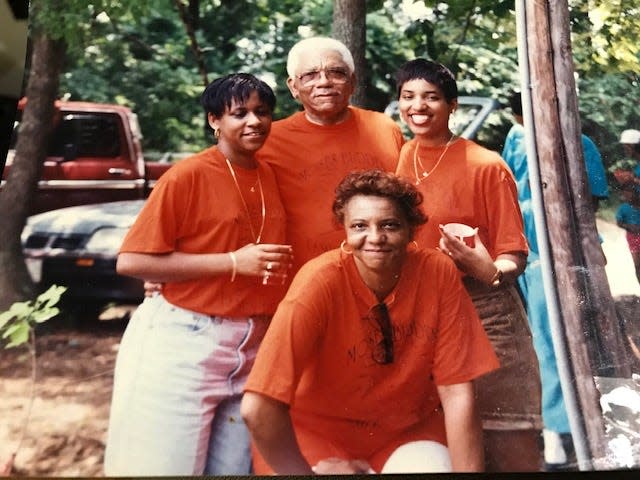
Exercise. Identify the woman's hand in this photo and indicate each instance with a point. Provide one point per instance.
(264, 258)
(475, 262)
(338, 466)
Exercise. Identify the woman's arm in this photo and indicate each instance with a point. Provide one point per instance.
(270, 425)
(463, 427)
(249, 260)
(477, 262)
(174, 266)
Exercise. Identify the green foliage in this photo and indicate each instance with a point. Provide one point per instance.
(74, 20)
(139, 54)
(22, 317)
(605, 36)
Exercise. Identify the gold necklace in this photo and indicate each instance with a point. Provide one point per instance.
(246, 208)
(417, 160)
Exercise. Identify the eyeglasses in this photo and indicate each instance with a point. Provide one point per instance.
(383, 352)
(335, 75)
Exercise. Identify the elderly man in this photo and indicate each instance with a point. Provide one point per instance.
(312, 150)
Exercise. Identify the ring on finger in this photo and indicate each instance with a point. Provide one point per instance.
(269, 266)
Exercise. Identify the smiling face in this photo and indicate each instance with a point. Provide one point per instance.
(325, 96)
(377, 232)
(243, 127)
(426, 111)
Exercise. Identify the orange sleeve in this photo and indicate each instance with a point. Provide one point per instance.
(501, 200)
(149, 234)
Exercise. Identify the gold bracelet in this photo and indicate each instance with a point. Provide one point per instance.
(234, 263)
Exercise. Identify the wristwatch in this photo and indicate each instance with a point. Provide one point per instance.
(497, 278)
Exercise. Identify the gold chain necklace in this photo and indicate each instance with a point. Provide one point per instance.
(246, 208)
(416, 160)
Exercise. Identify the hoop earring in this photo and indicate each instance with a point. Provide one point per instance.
(344, 250)
(216, 133)
(415, 245)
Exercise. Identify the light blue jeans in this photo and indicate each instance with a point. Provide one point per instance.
(554, 413)
(178, 382)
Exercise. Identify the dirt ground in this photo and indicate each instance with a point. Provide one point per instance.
(66, 433)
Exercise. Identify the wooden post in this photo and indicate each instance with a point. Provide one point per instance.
(592, 333)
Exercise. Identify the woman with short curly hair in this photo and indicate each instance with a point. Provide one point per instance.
(375, 345)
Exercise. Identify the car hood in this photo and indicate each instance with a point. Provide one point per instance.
(85, 219)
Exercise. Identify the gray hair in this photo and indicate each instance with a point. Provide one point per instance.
(317, 44)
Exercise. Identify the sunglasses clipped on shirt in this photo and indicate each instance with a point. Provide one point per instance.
(335, 75)
(383, 352)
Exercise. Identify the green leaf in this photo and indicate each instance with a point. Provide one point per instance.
(18, 325)
(44, 315)
(21, 309)
(5, 317)
(51, 296)
(19, 336)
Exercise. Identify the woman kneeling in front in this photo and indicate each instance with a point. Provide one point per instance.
(368, 363)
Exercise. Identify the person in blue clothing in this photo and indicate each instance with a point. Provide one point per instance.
(628, 218)
(558, 447)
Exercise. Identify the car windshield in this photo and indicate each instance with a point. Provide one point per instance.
(91, 135)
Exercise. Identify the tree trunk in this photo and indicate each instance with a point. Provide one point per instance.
(588, 314)
(349, 26)
(190, 16)
(17, 194)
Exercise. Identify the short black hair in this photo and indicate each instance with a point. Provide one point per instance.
(223, 91)
(515, 102)
(432, 72)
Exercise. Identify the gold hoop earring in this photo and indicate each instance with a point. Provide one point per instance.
(216, 133)
(415, 245)
(344, 250)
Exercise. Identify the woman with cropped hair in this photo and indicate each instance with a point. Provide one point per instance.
(465, 183)
(213, 234)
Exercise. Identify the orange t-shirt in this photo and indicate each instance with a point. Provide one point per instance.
(322, 342)
(310, 160)
(195, 208)
(471, 185)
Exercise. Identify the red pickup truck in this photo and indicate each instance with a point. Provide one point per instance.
(94, 156)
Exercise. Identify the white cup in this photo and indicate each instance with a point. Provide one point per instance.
(462, 232)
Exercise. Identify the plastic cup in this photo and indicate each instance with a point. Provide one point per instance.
(274, 278)
(462, 232)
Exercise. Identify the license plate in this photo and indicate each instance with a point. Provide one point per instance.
(34, 266)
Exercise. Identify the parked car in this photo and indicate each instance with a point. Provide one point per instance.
(77, 247)
(94, 155)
